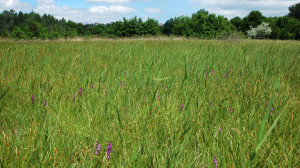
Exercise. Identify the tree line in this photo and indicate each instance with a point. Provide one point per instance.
(201, 24)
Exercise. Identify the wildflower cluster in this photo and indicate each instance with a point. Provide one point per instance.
(109, 149)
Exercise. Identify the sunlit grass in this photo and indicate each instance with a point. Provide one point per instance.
(152, 100)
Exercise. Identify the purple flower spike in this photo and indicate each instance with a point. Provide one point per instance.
(45, 103)
(121, 85)
(215, 161)
(32, 98)
(125, 73)
(92, 86)
(80, 91)
(181, 107)
(212, 72)
(158, 96)
(272, 109)
(98, 149)
(230, 109)
(225, 75)
(109, 150)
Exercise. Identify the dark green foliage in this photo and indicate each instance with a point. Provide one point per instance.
(182, 26)
(168, 27)
(253, 19)
(295, 11)
(201, 24)
(237, 22)
(207, 25)
(134, 27)
(18, 33)
(285, 28)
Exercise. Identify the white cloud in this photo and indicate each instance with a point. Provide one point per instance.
(152, 10)
(114, 1)
(111, 10)
(232, 8)
(15, 4)
(45, 2)
(108, 1)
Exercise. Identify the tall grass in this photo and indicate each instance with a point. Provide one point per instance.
(152, 100)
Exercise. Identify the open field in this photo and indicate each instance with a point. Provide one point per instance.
(162, 103)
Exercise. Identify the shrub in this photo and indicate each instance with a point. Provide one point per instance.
(262, 31)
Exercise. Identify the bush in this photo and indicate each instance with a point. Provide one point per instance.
(18, 33)
(262, 31)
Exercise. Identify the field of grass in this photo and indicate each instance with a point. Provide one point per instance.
(159, 103)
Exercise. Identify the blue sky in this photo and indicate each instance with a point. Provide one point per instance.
(105, 11)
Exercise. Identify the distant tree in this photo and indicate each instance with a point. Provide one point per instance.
(262, 31)
(18, 33)
(207, 25)
(237, 22)
(285, 28)
(151, 27)
(168, 27)
(295, 11)
(182, 26)
(8, 20)
(253, 19)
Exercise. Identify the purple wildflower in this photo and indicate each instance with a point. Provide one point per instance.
(45, 103)
(230, 109)
(212, 72)
(92, 86)
(30, 77)
(32, 98)
(125, 73)
(272, 109)
(121, 85)
(80, 91)
(98, 149)
(181, 106)
(225, 75)
(215, 161)
(74, 96)
(109, 150)
(158, 96)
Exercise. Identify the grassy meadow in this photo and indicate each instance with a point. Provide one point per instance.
(159, 103)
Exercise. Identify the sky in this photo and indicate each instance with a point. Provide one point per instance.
(106, 11)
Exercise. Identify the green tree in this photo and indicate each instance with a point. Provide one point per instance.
(253, 19)
(18, 33)
(182, 26)
(168, 27)
(237, 22)
(151, 27)
(295, 11)
(285, 28)
(207, 25)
